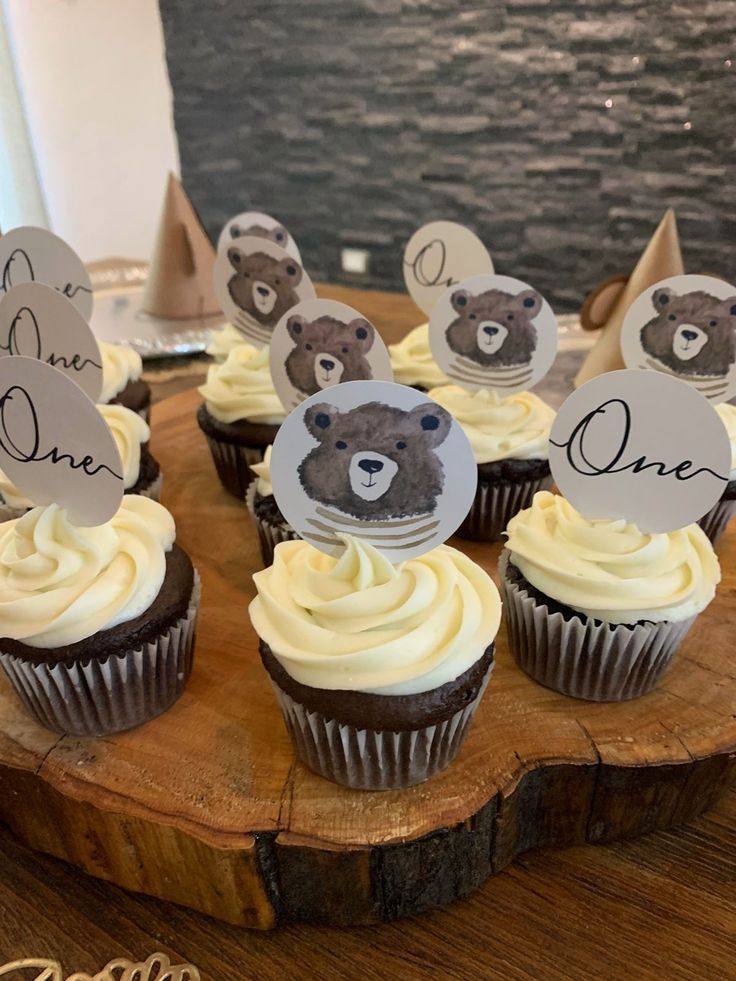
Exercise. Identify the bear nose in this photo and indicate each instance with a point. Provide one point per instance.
(263, 290)
(327, 364)
(490, 331)
(371, 466)
(689, 335)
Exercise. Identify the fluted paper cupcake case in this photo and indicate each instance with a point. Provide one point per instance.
(269, 535)
(102, 697)
(232, 462)
(364, 759)
(154, 489)
(715, 522)
(494, 506)
(582, 657)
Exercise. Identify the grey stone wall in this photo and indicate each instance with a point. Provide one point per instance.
(559, 130)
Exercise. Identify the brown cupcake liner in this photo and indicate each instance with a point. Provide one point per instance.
(9, 513)
(586, 658)
(715, 522)
(232, 462)
(154, 489)
(121, 692)
(495, 505)
(364, 759)
(269, 535)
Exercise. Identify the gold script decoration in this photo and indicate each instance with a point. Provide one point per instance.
(157, 967)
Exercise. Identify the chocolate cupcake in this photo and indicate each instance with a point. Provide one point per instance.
(240, 416)
(122, 384)
(412, 361)
(379, 672)
(270, 523)
(597, 609)
(510, 440)
(715, 522)
(104, 642)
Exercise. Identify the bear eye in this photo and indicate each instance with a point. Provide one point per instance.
(246, 275)
(345, 350)
(341, 444)
(279, 237)
(277, 281)
(509, 316)
(308, 347)
(291, 270)
(471, 316)
(713, 323)
(401, 445)
(672, 317)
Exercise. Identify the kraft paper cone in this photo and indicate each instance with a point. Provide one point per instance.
(660, 259)
(179, 284)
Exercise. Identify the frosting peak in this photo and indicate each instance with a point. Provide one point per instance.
(241, 388)
(120, 365)
(262, 470)
(727, 412)
(129, 431)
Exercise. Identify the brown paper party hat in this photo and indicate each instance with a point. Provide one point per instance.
(660, 259)
(179, 284)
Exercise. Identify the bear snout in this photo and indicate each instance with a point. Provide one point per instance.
(371, 474)
(688, 341)
(327, 364)
(490, 336)
(371, 466)
(264, 297)
(328, 370)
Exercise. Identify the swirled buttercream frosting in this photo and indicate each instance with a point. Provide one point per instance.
(609, 569)
(241, 388)
(129, 431)
(120, 365)
(512, 427)
(727, 412)
(412, 361)
(262, 470)
(358, 623)
(60, 583)
(223, 341)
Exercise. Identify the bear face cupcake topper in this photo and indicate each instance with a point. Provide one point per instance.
(33, 255)
(642, 446)
(685, 326)
(54, 444)
(256, 282)
(375, 460)
(493, 332)
(439, 255)
(39, 322)
(320, 343)
(255, 224)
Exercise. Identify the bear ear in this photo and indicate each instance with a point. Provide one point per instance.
(661, 297)
(295, 326)
(460, 300)
(235, 231)
(318, 419)
(431, 422)
(727, 308)
(529, 302)
(236, 258)
(279, 234)
(291, 269)
(363, 333)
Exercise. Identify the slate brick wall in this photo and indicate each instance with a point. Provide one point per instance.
(559, 130)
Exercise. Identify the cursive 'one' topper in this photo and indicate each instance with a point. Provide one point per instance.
(375, 460)
(256, 282)
(320, 343)
(33, 255)
(493, 332)
(54, 444)
(641, 446)
(157, 967)
(39, 322)
(439, 255)
(256, 224)
(685, 326)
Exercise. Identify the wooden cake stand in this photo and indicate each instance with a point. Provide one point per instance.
(207, 807)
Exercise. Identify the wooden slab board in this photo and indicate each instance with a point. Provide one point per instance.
(206, 806)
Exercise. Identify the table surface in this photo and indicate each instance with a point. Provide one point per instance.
(663, 905)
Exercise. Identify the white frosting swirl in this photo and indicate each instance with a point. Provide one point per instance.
(412, 361)
(727, 412)
(512, 427)
(609, 570)
(12, 495)
(263, 471)
(120, 365)
(241, 388)
(223, 341)
(129, 431)
(60, 583)
(359, 623)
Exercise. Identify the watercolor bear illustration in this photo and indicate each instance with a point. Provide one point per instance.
(375, 461)
(494, 329)
(263, 287)
(277, 234)
(692, 334)
(328, 351)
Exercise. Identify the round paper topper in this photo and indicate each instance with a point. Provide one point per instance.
(256, 282)
(493, 332)
(439, 255)
(320, 343)
(376, 460)
(685, 326)
(641, 446)
(30, 254)
(256, 224)
(54, 443)
(39, 322)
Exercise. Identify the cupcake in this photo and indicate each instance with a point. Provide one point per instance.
(412, 361)
(141, 472)
(714, 523)
(596, 609)
(270, 523)
(97, 623)
(121, 379)
(510, 440)
(378, 669)
(240, 415)
(223, 341)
